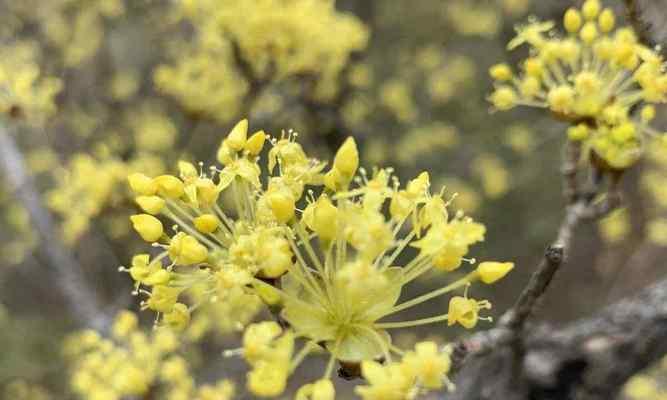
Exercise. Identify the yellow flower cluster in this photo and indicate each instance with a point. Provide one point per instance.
(333, 269)
(424, 367)
(73, 27)
(592, 78)
(278, 40)
(87, 185)
(25, 92)
(132, 363)
(482, 18)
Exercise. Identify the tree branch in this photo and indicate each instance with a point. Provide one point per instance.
(82, 301)
(588, 360)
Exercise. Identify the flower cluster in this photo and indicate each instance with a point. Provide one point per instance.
(327, 250)
(232, 44)
(132, 363)
(593, 77)
(87, 185)
(25, 91)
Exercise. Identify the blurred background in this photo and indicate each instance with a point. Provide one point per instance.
(145, 83)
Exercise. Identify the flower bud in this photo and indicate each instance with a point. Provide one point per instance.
(149, 228)
(325, 218)
(282, 205)
(347, 158)
(578, 133)
(150, 204)
(607, 20)
(589, 33)
(238, 136)
(500, 72)
(159, 277)
(255, 143)
(572, 20)
(591, 9)
(207, 223)
(169, 186)
(490, 272)
(142, 185)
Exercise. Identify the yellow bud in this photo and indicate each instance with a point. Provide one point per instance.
(561, 98)
(504, 98)
(159, 277)
(150, 228)
(607, 20)
(501, 72)
(150, 204)
(347, 158)
(325, 218)
(589, 33)
(534, 67)
(572, 20)
(224, 155)
(332, 179)
(207, 223)
(591, 9)
(178, 318)
(648, 113)
(142, 185)
(490, 272)
(578, 133)
(282, 205)
(255, 143)
(169, 186)
(125, 322)
(530, 86)
(238, 136)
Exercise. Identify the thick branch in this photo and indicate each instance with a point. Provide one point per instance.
(588, 360)
(82, 301)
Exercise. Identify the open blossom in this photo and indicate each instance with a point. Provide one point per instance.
(593, 77)
(332, 270)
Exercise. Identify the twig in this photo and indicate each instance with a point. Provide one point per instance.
(82, 301)
(510, 328)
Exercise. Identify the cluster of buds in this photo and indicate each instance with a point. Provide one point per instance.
(325, 250)
(593, 77)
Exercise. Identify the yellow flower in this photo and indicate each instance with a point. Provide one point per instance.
(388, 382)
(428, 364)
(178, 318)
(186, 250)
(323, 389)
(465, 311)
